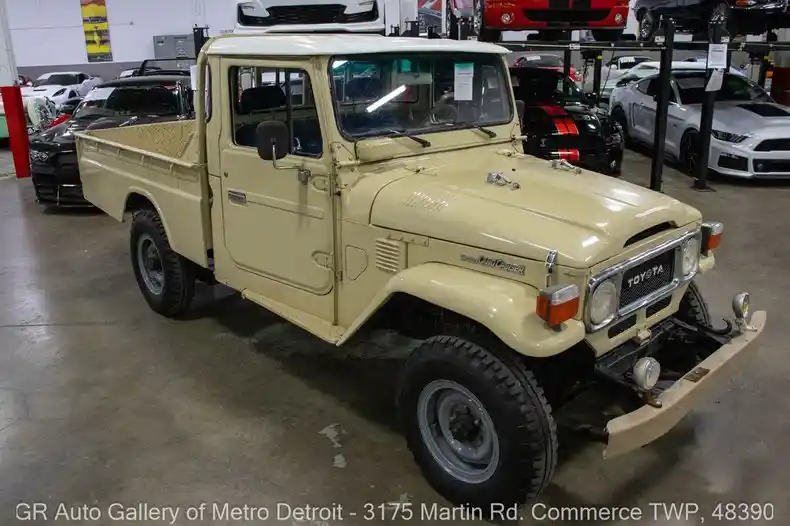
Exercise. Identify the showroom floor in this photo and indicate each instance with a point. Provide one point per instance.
(103, 401)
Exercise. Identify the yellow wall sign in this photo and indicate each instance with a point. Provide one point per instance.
(97, 30)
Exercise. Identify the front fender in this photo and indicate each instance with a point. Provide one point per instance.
(505, 307)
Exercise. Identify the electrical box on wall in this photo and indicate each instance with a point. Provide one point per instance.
(174, 46)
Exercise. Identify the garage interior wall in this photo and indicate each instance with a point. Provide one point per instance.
(48, 34)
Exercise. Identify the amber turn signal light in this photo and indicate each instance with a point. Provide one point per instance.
(558, 304)
(711, 236)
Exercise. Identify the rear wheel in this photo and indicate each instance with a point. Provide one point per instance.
(480, 429)
(607, 35)
(483, 33)
(166, 279)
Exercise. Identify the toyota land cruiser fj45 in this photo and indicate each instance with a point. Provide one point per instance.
(333, 178)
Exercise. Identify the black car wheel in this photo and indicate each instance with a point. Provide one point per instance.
(689, 151)
(648, 25)
(720, 10)
(618, 116)
(607, 35)
(483, 33)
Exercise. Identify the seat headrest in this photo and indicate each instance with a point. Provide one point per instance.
(262, 98)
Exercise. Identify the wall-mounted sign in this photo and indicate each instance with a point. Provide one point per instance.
(97, 30)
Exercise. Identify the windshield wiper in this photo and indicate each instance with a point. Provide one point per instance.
(491, 133)
(419, 140)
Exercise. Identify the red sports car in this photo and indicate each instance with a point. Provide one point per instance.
(606, 18)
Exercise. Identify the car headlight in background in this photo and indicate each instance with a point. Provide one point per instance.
(59, 92)
(36, 155)
(689, 257)
(729, 137)
(603, 303)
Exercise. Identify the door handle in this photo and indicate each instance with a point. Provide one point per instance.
(237, 197)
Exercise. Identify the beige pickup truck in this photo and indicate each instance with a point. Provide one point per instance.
(349, 182)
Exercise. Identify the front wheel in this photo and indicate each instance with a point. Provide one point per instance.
(689, 152)
(480, 430)
(693, 308)
(166, 279)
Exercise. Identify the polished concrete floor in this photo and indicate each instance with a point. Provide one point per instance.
(102, 401)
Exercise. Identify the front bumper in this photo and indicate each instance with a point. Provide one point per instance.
(649, 422)
(738, 161)
(540, 15)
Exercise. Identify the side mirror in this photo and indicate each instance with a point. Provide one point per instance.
(273, 140)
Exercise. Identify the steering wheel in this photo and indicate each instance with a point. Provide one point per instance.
(443, 111)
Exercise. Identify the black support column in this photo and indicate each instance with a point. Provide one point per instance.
(662, 104)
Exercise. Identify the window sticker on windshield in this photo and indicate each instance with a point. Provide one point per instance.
(405, 65)
(463, 81)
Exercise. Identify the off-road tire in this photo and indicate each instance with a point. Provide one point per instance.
(179, 273)
(515, 401)
(693, 308)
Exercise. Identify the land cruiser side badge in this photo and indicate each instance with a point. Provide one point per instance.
(499, 264)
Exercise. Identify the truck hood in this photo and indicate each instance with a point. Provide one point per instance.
(588, 217)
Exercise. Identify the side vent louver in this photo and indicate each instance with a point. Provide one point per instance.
(390, 255)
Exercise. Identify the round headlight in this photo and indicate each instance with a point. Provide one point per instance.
(603, 302)
(690, 257)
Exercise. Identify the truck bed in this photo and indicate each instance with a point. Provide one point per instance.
(154, 162)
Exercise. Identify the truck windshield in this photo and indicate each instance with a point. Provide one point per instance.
(414, 93)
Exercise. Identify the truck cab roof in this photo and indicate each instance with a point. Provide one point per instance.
(334, 44)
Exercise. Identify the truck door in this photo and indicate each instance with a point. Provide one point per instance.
(277, 222)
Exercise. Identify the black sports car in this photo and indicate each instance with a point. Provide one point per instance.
(561, 122)
(744, 17)
(122, 102)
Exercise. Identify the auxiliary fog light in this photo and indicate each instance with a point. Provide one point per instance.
(507, 18)
(618, 18)
(646, 372)
(740, 305)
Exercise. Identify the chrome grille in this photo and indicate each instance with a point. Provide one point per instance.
(643, 279)
(646, 278)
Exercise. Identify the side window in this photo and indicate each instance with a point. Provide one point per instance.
(82, 78)
(275, 94)
(643, 85)
(653, 86)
